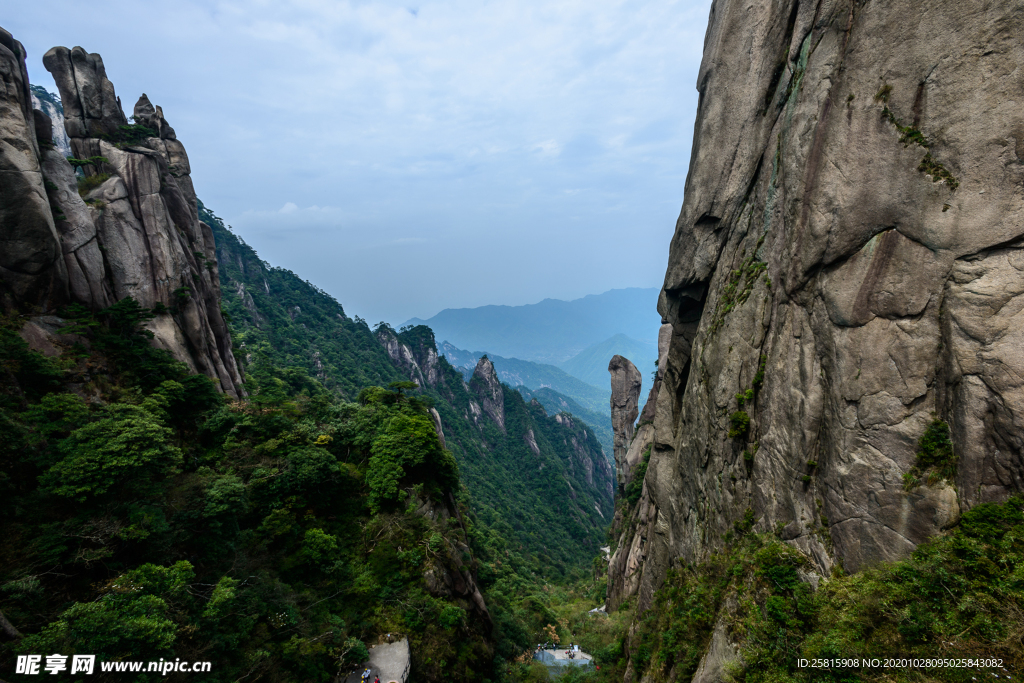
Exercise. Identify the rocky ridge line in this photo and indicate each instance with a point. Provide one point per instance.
(135, 233)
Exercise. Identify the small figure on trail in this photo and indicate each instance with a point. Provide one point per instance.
(366, 676)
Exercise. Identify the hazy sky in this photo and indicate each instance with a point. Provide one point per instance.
(410, 157)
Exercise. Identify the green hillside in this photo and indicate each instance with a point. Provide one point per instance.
(144, 517)
(591, 364)
(555, 402)
(275, 312)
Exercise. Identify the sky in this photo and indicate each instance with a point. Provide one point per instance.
(408, 157)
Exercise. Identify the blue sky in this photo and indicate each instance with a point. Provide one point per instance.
(410, 157)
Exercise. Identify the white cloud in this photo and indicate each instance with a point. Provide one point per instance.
(479, 125)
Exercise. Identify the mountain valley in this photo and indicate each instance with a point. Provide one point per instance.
(205, 459)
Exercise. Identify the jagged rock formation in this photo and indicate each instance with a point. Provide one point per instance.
(136, 233)
(512, 453)
(626, 383)
(487, 387)
(632, 523)
(32, 272)
(847, 262)
(419, 361)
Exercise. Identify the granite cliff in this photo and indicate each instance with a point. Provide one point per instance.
(129, 227)
(845, 277)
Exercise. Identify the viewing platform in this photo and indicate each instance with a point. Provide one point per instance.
(557, 660)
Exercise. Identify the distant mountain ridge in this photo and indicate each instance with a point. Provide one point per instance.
(551, 331)
(516, 372)
(591, 364)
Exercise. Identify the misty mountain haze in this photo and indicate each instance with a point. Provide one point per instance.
(551, 331)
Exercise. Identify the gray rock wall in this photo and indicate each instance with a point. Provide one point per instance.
(32, 273)
(136, 233)
(851, 250)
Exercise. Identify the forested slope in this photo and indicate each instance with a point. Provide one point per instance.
(144, 517)
(273, 311)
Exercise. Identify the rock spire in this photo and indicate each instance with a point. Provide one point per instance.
(130, 228)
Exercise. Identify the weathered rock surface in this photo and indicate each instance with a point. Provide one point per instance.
(32, 272)
(76, 225)
(420, 360)
(633, 523)
(487, 387)
(626, 383)
(91, 108)
(136, 233)
(850, 250)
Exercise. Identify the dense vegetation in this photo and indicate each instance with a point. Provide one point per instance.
(533, 502)
(554, 402)
(276, 313)
(958, 596)
(532, 518)
(143, 517)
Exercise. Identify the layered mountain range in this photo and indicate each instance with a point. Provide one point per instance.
(351, 508)
(551, 331)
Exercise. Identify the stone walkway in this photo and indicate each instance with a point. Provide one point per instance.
(390, 661)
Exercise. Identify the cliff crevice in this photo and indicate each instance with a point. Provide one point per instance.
(844, 272)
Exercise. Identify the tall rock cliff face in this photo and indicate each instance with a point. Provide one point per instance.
(135, 233)
(32, 272)
(846, 268)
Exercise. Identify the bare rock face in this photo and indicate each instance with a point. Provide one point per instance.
(626, 382)
(137, 233)
(419, 360)
(91, 108)
(153, 117)
(848, 260)
(487, 387)
(32, 272)
(75, 222)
